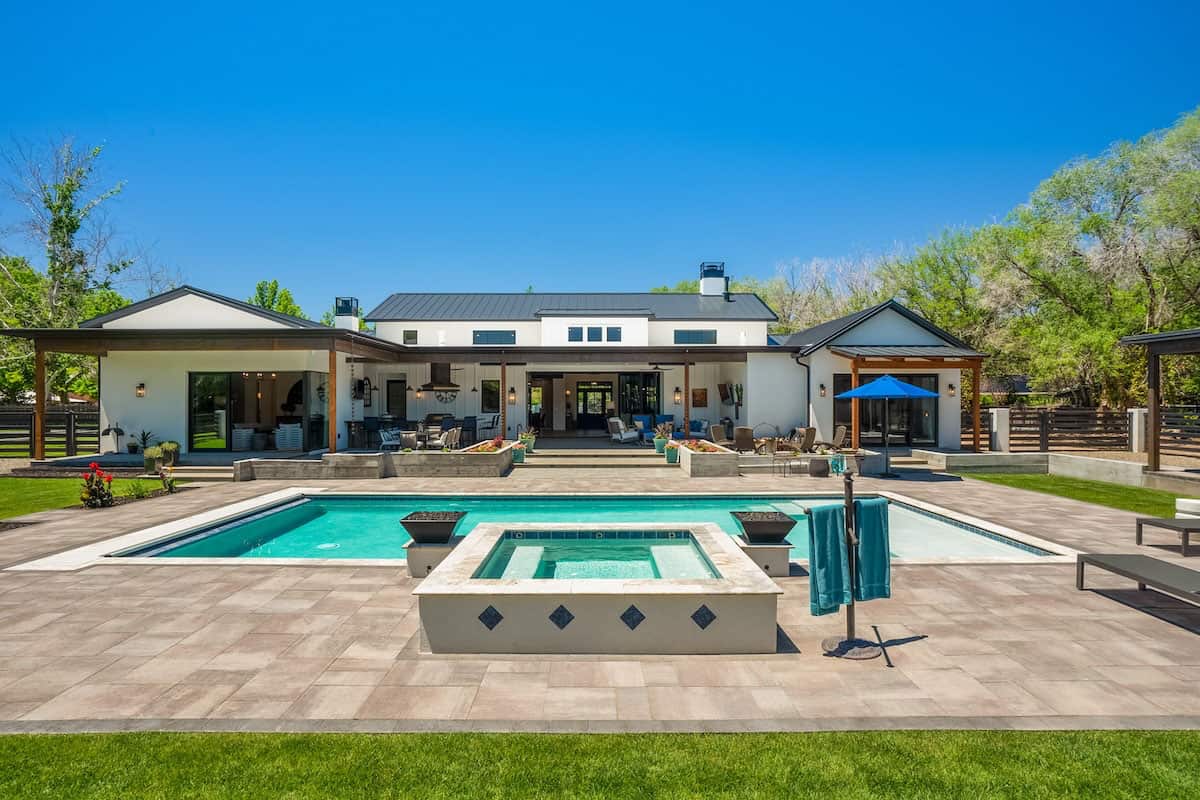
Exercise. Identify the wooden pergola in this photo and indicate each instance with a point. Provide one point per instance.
(1170, 343)
(884, 358)
(99, 342)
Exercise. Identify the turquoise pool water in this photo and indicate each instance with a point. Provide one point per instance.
(583, 555)
(369, 526)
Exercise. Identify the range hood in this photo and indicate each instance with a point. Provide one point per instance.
(439, 380)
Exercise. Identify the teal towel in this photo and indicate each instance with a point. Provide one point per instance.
(828, 565)
(874, 561)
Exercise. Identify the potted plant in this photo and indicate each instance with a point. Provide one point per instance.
(170, 453)
(662, 434)
(518, 453)
(672, 451)
(528, 437)
(432, 527)
(151, 459)
(145, 439)
(764, 527)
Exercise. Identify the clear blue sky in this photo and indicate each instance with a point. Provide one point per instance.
(343, 149)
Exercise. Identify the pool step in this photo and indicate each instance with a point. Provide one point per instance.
(524, 562)
(675, 561)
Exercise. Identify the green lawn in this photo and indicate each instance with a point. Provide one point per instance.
(889, 765)
(26, 495)
(1149, 502)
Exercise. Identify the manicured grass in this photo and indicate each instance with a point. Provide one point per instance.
(948, 764)
(26, 495)
(1147, 502)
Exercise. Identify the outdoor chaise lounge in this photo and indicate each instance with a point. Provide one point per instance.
(619, 433)
(718, 435)
(1183, 526)
(1174, 579)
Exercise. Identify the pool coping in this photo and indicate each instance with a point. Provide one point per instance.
(102, 552)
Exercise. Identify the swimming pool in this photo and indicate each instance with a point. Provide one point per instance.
(595, 555)
(331, 526)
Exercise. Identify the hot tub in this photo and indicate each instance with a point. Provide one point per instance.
(551, 588)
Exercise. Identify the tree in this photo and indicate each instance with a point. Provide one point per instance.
(268, 295)
(65, 217)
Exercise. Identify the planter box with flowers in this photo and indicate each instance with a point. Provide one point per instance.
(703, 459)
(488, 459)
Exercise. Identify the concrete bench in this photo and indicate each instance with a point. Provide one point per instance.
(1173, 579)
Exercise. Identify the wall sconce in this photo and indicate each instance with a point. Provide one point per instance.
(951, 388)
(512, 396)
(678, 396)
(418, 392)
(139, 390)
(822, 390)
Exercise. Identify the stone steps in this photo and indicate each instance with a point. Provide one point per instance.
(610, 458)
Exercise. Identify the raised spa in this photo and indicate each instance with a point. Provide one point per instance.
(593, 555)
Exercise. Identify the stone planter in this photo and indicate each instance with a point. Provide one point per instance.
(764, 527)
(818, 467)
(720, 463)
(432, 527)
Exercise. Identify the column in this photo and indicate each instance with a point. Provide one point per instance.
(1137, 430)
(975, 406)
(332, 392)
(687, 401)
(854, 421)
(1153, 411)
(504, 399)
(39, 403)
(1001, 430)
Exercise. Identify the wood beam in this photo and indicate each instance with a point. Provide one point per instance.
(504, 399)
(687, 400)
(975, 408)
(1153, 411)
(854, 423)
(39, 403)
(962, 363)
(331, 393)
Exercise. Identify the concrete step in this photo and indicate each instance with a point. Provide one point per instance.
(537, 462)
(198, 474)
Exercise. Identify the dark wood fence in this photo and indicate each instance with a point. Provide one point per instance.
(68, 432)
(1068, 429)
(967, 428)
(1180, 431)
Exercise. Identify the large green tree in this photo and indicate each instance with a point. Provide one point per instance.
(269, 295)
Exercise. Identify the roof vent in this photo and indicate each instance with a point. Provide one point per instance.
(712, 279)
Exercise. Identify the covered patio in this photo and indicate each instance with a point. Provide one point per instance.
(1182, 435)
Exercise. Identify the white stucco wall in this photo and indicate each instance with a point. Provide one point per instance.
(776, 392)
(888, 328)
(552, 331)
(634, 331)
(733, 334)
(457, 334)
(190, 312)
(164, 410)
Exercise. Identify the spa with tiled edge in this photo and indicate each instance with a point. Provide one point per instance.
(731, 611)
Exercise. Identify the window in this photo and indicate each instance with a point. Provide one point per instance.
(614, 334)
(594, 334)
(410, 337)
(489, 396)
(695, 337)
(574, 334)
(495, 337)
(910, 422)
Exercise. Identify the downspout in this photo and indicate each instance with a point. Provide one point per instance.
(807, 391)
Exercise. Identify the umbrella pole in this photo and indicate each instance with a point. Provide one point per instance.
(887, 454)
(851, 647)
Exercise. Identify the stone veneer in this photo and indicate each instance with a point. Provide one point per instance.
(465, 463)
(722, 464)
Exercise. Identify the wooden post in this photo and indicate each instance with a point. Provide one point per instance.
(975, 406)
(504, 399)
(854, 424)
(687, 401)
(332, 395)
(39, 404)
(1153, 410)
(70, 433)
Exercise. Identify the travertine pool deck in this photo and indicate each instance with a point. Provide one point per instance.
(261, 647)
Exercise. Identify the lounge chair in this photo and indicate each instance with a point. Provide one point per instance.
(808, 438)
(718, 435)
(1185, 527)
(743, 439)
(839, 439)
(1174, 579)
(389, 439)
(619, 433)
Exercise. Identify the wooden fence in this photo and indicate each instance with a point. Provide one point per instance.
(68, 432)
(967, 441)
(1180, 434)
(1068, 429)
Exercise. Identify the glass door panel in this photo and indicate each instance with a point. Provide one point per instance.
(208, 412)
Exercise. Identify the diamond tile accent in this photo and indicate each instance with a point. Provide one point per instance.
(490, 617)
(703, 617)
(561, 617)
(632, 617)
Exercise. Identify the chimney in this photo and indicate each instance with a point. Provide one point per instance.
(345, 313)
(713, 282)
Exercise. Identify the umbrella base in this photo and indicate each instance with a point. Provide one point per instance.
(853, 649)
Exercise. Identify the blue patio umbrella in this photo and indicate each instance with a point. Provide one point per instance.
(886, 388)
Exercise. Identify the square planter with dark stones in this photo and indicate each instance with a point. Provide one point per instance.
(432, 527)
(764, 527)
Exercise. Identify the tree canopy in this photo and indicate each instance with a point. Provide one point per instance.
(269, 295)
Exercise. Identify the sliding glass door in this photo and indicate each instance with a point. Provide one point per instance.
(208, 411)
(910, 422)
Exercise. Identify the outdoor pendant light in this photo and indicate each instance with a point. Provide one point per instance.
(512, 396)
(678, 395)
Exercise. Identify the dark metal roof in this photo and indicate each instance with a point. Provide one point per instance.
(533, 306)
(159, 299)
(807, 341)
(903, 351)
(1165, 336)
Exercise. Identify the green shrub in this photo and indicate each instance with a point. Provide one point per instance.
(136, 490)
(170, 452)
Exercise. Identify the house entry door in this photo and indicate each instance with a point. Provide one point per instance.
(592, 403)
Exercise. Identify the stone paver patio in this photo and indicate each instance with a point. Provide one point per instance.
(333, 647)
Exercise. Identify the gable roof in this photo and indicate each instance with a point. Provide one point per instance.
(533, 306)
(809, 340)
(173, 294)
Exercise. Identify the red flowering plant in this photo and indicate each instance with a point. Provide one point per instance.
(489, 447)
(96, 491)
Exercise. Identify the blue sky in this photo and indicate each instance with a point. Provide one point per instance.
(349, 149)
